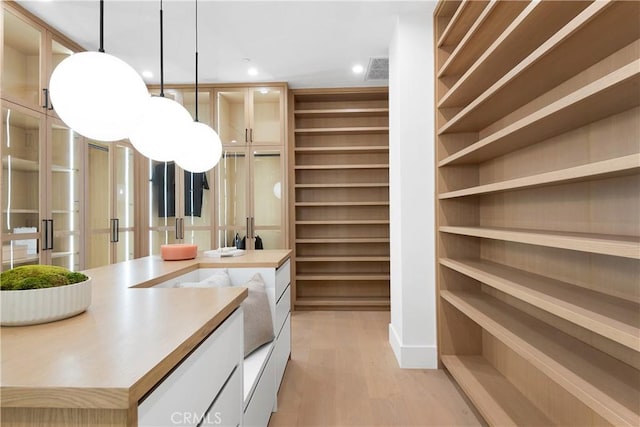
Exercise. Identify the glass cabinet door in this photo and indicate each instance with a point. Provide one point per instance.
(162, 205)
(266, 116)
(58, 53)
(268, 205)
(124, 197)
(65, 191)
(232, 192)
(22, 136)
(98, 242)
(21, 65)
(231, 117)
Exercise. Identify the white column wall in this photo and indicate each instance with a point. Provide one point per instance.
(412, 331)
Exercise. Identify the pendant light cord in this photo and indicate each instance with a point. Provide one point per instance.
(101, 26)
(161, 55)
(196, 60)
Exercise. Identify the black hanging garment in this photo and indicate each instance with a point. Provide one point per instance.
(164, 184)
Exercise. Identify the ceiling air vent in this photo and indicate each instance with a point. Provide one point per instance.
(378, 69)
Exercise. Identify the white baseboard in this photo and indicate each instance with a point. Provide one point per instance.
(413, 356)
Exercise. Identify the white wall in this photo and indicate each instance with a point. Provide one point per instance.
(412, 332)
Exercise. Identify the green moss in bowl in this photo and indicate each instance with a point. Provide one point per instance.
(38, 277)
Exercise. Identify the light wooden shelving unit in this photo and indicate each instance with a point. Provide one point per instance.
(340, 176)
(538, 218)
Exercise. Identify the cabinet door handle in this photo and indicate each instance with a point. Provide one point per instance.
(177, 228)
(45, 98)
(50, 234)
(246, 139)
(182, 228)
(253, 228)
(45, 234)
(248, 229)
(116, 234)
(251, 135)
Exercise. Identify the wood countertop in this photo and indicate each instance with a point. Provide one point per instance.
(129, 338)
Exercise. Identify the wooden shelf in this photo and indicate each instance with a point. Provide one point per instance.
(344, 222)
(334, 166)
(606, 385)
(321, 204)
(551, 64)
(22, 211)
(490, 23)
(590, 103)
(336, 301)
(499, 401)
(461, 21)
(63, 169)
(21, 164)
(350, 149)
(342, 151)
(19, 261)
(621, 166)
(361, 130)
(613, 318)
(345, 240)
(363, 277)
(342, 112)
(346, 185)
(342, 259)
(527, 26)
(621, 246)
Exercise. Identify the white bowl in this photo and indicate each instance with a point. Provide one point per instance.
(33, 306)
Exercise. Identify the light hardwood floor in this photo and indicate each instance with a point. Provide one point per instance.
(343, 372)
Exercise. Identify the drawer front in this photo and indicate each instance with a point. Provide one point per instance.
(283, 278)
(227, 409)
(259, 409)
(282, 351)
(282, 309)
(187, 392)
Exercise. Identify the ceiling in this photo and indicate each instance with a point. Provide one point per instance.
(304, 43)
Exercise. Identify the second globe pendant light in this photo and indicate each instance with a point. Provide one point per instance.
(161, 130)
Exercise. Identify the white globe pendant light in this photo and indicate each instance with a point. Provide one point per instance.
(201, 147)
(98, 95)
(161, 129)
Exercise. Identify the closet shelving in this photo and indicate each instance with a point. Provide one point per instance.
(538, 192)
(341, 206)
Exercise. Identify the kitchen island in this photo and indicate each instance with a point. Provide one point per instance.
(95, 368)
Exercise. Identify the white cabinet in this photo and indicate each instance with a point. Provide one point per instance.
(195, 390)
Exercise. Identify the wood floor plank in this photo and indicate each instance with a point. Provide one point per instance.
(343, 372)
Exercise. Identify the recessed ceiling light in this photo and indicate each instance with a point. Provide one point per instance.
(147, 74)
(357, 69)
(252, 71)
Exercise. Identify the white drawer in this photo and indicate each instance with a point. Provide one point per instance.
(196, 381)
(283, 307)
(227, 409)
(283, 278)
(258, 410)
(282, 351)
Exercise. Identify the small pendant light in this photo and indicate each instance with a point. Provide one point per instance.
(98, 95)
(161, 130)
(202, 148)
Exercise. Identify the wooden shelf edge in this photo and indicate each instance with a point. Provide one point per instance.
(343, 259)
(334, 277)
(345, 222)
(344, 149)
(621, 246)
(499, 401)
(345, 185)
(314, 302)
(606, 385)
(344, 240)
(608, 316)
(342, 112)
(355, 129)
(334, 167)
(321, 204)
(603, 169)
(452, 22)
